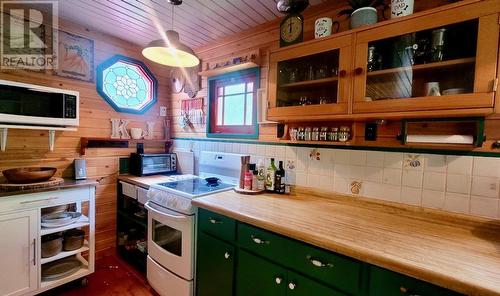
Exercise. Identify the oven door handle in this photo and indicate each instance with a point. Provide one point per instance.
(149, 207)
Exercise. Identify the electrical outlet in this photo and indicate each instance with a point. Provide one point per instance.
(163, 111)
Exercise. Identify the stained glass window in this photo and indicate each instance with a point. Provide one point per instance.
(126, 84)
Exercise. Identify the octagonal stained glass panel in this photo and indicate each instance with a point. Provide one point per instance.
(126, 84)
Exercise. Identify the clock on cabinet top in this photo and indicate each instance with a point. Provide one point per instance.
(291, 29)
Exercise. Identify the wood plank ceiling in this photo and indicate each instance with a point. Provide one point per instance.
(199, 22)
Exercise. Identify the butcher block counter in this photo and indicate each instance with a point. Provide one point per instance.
(454, 251)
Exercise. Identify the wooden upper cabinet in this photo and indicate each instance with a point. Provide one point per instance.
(440, 61)
(310, 80)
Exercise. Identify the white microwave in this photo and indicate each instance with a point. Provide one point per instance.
(29, 104)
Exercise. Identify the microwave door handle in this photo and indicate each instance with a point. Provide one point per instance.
(158, 212)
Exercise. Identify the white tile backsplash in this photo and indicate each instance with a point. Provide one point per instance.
(435, 163)
(392, 176)
(486, 166)
(459, 164)
(393, 160)
(412, 178)
(434, 181)
(485, 186)
(458, 183)
(483, 206)
(375, 159)
(456, 202)
(463, 184)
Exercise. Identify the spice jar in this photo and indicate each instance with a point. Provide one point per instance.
(293, 133)
(333, 135)
(344, 133)
(307, 133)
(315, 134)
(323, 134)
(300, 134)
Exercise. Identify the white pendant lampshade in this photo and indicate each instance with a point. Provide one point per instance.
(170, 52)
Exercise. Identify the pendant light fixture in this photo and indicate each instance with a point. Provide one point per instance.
(169, 51)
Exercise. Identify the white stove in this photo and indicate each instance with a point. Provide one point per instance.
(172, 218)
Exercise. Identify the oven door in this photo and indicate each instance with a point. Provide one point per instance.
(171, 240)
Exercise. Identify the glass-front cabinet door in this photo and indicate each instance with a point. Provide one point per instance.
(310, 80)
(443, 61)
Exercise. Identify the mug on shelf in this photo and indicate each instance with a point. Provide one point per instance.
(401, 8)
(137, 133)
(432, 89)
(325, 26)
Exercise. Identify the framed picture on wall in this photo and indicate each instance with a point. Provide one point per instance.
(76, 57)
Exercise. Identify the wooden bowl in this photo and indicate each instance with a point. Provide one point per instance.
(29, 175)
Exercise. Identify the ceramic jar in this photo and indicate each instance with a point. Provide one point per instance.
(401, 8)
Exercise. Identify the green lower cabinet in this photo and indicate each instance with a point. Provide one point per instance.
(258, 277)
(215, 267)
(301, 286)
(387, 283)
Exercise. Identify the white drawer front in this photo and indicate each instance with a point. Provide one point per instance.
(129, 190)
(45, 199)
(142, 195)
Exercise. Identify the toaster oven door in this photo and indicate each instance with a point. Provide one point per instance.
(158, 163)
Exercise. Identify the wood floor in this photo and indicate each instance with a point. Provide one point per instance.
(112, 277)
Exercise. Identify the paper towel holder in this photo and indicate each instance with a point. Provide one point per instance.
(464, 131)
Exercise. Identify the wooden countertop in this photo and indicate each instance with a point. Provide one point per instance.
(454, 251)
(68, 183)
(145, 181)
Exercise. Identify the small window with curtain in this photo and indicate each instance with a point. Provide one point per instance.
(233, 104)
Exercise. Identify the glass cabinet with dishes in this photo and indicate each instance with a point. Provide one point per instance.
(310, 79)
(440, 61)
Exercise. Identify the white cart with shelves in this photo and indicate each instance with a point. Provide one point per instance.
(21, 232)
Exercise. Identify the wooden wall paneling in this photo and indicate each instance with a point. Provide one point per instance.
(30, 148)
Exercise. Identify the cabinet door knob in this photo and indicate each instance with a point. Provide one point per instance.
(227, 255)
(407, 292)
(258, 241)
(317, 262)
(343, 73)
(214, 221)
(292, 285)
(278, 280)
(358, 71)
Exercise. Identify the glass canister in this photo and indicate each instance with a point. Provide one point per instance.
(323, 134)
(300, 134)
(344, 133)
(315, 134)
(307, 133)
(333, 135)
(293, 133)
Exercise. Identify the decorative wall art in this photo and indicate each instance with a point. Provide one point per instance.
(76, 57)
(127, 84)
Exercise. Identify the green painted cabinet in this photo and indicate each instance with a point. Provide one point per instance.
(215, 266)
(260, 277)
(234, 258)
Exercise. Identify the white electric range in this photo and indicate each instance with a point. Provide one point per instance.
(172, 220)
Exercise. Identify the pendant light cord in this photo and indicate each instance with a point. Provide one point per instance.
(172, 17)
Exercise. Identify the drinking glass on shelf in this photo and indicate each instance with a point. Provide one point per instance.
(310, 73)
(293, 75)
(321, 72)
(334, 71)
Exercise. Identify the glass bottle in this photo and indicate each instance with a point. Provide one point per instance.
(279, 186)
(271, 175)
(261, 175)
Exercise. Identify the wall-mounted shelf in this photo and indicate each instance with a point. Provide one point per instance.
(86, 143)
(229, 68)
(51, 129)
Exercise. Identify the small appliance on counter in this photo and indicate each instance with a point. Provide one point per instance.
(80, 169)
(142, 164)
